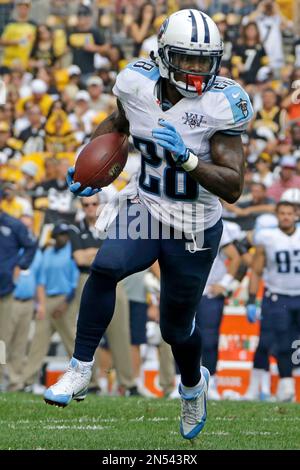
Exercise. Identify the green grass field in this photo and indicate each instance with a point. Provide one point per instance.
(26, 422)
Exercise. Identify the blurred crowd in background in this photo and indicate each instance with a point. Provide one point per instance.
(58, 61)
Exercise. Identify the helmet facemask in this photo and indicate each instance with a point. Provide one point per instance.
(191, 72)
(189, 51)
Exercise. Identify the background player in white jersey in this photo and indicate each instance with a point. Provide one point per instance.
(277, 258)
(186, 122)
(260, 378)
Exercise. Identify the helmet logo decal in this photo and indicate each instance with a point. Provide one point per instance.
(163, 28)
(206, 29)
(194, 37)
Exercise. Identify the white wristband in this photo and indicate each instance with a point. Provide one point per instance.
(191, 162)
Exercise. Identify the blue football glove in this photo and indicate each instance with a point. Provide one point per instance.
(252, 312)
(75, 187)
(168, 138)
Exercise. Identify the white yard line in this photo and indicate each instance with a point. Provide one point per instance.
(84, 428)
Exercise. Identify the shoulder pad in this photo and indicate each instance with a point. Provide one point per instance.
(221, 83)
(263, 236)
(132, 79)
(230, 105)
(145, 67)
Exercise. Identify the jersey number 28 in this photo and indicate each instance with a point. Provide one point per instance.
(177, 184)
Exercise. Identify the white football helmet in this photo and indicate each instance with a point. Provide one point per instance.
(189, 51)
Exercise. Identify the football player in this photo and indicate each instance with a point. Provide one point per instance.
(186, 122)
(278, 255)
(260, 380)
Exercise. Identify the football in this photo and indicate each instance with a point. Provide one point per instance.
(101, 161)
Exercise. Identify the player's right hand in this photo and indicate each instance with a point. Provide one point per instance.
(75, 187)
(252, 313)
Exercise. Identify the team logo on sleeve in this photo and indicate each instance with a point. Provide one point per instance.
(243, 106)
(193, 120)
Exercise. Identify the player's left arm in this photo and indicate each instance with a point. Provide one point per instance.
(257, 267)
(224, 177)
(233, 257)
(228, 283)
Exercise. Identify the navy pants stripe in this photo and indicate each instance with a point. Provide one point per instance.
(183, 278)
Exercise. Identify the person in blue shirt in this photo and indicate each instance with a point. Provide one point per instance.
(56, 289)
(22, 308)
(14, 236)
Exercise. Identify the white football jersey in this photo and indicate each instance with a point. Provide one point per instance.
(163, 187)
(282, 271)
(218, 269)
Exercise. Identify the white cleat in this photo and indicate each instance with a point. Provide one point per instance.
(193, 410)
(253, 392)
(142, 390)
(73, 385)
(175, 395)
(251, 396)
(38, 389)
(286, 390)
(213, 393)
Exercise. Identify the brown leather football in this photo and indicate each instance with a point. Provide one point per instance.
(102, 160)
